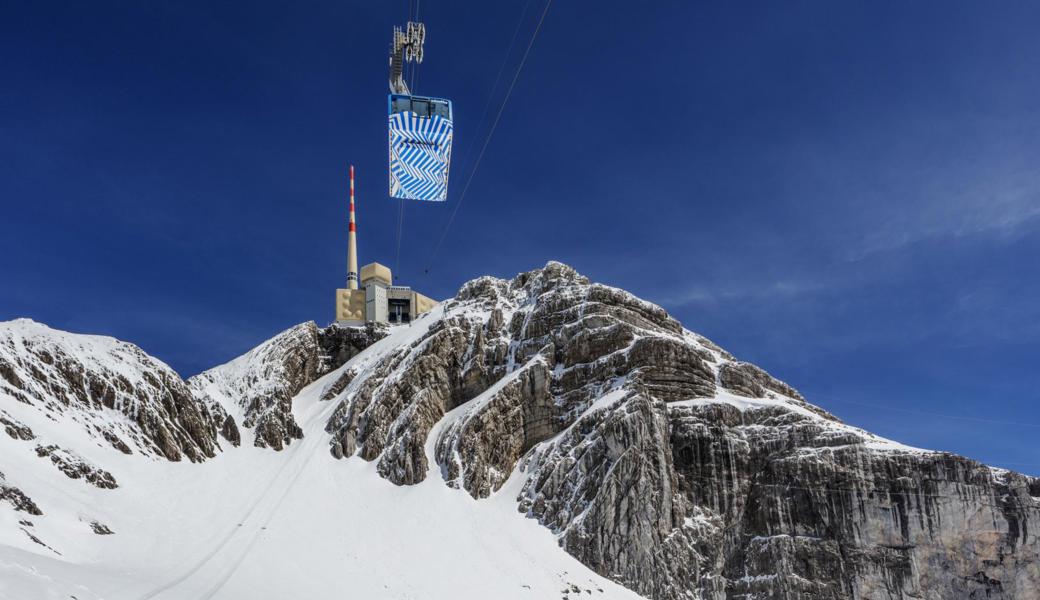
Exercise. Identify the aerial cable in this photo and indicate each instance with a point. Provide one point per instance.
(414, 9)
(498, 78)
(400, 229)
(413, 15)
(491, 133)
(411, 78)
(400, 213)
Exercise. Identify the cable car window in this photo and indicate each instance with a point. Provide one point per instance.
(401, 105)
(421, 108)
(440, 109)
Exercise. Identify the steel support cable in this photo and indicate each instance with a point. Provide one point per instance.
(418, 19)
(414, 16)
(491, 133)
(400, 234)
(494, 86)
(498, 79)
(411, 86)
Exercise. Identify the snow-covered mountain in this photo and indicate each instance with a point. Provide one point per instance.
(257, 388)
(544, 437)
(111, 390)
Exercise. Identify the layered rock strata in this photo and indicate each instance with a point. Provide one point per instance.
(665, 463)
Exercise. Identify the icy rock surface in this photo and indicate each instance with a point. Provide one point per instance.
(255, 391)
(120, 396)
(655, 458)
(663, 462)
(17, 498)
(77, 467)
(108, 388)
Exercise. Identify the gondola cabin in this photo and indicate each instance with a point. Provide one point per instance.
(420, 147)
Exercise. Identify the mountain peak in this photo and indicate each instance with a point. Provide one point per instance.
(656, 459)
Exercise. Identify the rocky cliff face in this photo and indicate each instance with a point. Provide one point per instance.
(658, 459)
(256, 390)
(80, 378)
(807, 508)
(90, 381)
(666, 464)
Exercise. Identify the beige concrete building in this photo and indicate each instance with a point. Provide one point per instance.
(376, 299)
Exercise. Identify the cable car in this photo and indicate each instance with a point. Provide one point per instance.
(420, 127)
(420, 147)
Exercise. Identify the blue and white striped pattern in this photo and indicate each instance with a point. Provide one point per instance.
(420, 156)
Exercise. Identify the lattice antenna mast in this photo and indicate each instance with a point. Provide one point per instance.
(407, 47)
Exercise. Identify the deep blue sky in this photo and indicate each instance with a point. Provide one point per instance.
(847, 194)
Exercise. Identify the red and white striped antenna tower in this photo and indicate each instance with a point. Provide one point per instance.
(352, 271)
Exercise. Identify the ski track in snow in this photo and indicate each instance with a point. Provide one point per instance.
(300, 455)
(297, 523)
(262, 524)
(247, 528)
(256, 523)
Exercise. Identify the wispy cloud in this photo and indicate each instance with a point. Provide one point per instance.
(744, 291)
(1001, 205)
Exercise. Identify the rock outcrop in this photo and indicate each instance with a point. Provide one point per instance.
(78, 378)
(77, 467)
(15, 429)
(657, 458)
(255, 391)
(663, 462)
(17, 498)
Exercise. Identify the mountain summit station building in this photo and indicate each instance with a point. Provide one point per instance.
(376, 299)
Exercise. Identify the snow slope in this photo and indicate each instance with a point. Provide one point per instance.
(408, 467)
(127, 398)
(253, 523)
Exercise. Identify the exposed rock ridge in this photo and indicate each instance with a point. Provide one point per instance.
(77, 467)
(136, 404)
(662, 461)
(17, 498)
(15, 428)
(79, 377)
(255, 391)
(657, 458)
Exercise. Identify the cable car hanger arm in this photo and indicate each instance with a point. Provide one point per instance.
(407, 47)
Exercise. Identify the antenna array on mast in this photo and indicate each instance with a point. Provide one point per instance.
(407, 47)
